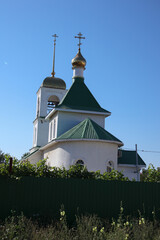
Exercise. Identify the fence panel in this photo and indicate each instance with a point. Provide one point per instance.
(44, 196)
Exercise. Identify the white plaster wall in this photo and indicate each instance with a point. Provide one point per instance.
(129, 172)
(67, 120)
(42, 136)
(38, 104)
(94, 154)
(42, 132)
(35, 126)
(35, 157)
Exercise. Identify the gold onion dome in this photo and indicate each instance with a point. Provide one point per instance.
(79, 60)
(52, 82)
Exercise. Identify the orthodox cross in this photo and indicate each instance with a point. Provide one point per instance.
(80, 37)
(53, 72)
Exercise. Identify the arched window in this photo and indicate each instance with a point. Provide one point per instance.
(52, 103)
(110, 166)
(80, 162)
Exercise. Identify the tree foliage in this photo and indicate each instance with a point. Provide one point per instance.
(151, 174)
(4, 156)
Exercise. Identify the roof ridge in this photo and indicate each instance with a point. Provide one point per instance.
(102, 129)
(85, 127)
(92, 124)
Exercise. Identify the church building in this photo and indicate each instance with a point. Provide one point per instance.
(70, 127)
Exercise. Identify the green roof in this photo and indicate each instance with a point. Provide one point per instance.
(129, 157)
(88, 129)
(79, 97)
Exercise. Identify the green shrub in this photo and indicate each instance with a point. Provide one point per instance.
(151, 174)
(41, 169)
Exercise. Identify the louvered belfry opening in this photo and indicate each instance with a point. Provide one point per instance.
(53, 101)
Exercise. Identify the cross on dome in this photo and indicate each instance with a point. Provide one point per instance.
(78, 62)
(55, 36)
(79, 37)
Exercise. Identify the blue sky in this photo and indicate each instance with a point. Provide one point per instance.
(122, 49)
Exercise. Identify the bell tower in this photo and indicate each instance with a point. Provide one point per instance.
(49, 95)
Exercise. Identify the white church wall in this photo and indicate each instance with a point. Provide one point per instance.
(38, 103)
(35, 126)
(40, 132)
(67, 120)
(35, 157)
(95, 154)
(129, 171)
(42, 137)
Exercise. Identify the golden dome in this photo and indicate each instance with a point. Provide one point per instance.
(79, 60)
(52, 82)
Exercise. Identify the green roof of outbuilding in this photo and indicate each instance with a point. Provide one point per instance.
(88, 129)
(129, 158)
(79, 97)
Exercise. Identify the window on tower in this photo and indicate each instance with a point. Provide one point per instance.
(52, 129)
(53, 101)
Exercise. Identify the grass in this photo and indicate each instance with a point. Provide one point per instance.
(85, 227)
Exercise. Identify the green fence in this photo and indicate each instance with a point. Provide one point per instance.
(44, 197)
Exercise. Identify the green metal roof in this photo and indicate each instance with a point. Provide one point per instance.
(88, 129)
(79, 97)
(129, 157)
